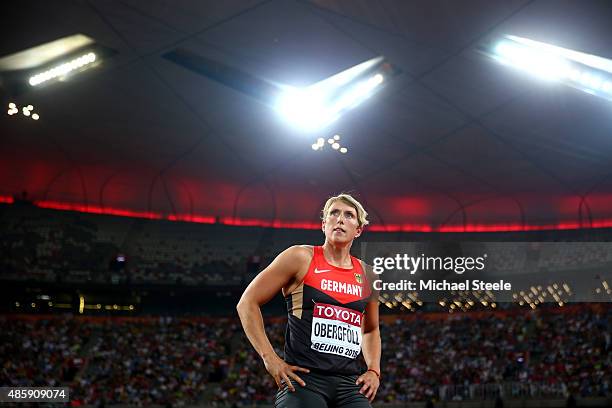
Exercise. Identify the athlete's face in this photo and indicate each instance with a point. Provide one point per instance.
(340, 223)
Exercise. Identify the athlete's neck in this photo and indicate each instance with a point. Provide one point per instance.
(336, 255)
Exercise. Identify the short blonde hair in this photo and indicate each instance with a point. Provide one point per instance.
(362, 214)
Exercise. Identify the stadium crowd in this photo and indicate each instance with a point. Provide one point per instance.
(45, 245)
(176, 361)
(144, 362)
(55, 246)
(558, 352)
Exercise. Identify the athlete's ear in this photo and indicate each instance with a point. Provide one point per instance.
(359, 231)
(323, 225)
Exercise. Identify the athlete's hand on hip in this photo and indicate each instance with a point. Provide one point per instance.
(283, 372)
(370, 383)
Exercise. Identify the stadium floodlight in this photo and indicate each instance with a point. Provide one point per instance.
(308, 108)
(319, 144)
(316, 106)
(332, 141)
(27, 111)
(50, 62)
(305, 108)
(545, 65)
(60, 71)
(12, 109)
(589, 73)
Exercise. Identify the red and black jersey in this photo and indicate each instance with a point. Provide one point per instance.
(326, 312)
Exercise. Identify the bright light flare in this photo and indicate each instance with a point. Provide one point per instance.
(322, 103)
(305, 108)
(590, 60)
(540, 63)
(357, 94)
(586, 72)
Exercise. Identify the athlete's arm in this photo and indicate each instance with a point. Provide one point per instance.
(371, 348)
(278, 275)
(371, 344)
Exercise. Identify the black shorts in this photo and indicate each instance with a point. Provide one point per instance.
(321, 391)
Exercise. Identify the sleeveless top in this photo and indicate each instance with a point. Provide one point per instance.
(325, 315)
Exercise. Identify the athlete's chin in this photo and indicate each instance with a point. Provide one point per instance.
(339, 239)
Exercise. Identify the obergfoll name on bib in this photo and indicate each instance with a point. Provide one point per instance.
(336, 330)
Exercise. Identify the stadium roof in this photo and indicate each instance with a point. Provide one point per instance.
(455, 140)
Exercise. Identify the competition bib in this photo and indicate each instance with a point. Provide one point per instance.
(336, 330)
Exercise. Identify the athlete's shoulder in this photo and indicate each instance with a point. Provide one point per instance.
(299, 253)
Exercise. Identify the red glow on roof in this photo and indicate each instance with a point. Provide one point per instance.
(411, 206)
(252, 222)
(97, 210)
(401, 228)
(192, 218)
(602, 224)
